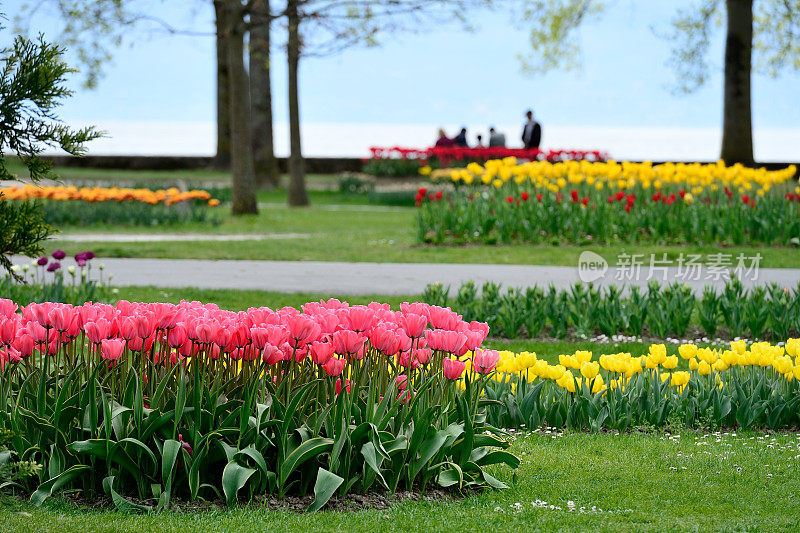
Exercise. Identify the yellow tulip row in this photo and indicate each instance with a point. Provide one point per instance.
(625, 175)
(702, 361)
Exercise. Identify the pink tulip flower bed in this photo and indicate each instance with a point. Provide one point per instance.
(158, 401)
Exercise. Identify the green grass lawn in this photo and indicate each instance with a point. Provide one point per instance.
(359, 233)
(191, 177)
(683, 481)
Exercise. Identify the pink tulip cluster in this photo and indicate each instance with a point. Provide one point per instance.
(330, 334)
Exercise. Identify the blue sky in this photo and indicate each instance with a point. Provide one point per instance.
(444, 77)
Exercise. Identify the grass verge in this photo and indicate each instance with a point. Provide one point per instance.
(682, 481)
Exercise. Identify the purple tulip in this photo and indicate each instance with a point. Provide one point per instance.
(52, 267)
(42, 261)
(59, 255)
(80, 257)
(88, 255)
(81, 262)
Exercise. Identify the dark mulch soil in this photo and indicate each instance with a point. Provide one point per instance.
(351, 502)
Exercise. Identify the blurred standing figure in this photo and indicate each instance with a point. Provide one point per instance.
(443, 139)
(531, 132)
(496, 139)
(461, 138)
(480, 141)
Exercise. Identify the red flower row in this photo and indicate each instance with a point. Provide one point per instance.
(450, 153)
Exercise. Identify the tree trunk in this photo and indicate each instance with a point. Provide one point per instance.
(222, 159)
(266, 165)
(297, 178)
(737, 125)
(243, 192)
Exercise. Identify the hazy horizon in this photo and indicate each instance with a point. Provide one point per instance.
(620, 101)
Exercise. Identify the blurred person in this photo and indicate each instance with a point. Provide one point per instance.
(461, 138)
(496, 139)
(480, 141)
(531, 132)
(444, 140)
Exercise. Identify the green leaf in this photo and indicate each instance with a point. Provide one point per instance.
(498, 457)
(429, 448)
(258, 459)
(307, 450)
(371, 458)
(451, 476)
(234, 477)
(50, 486)
(324, 488)
(121, 503)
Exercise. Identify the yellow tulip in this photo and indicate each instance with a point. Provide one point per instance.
(687, 351)
(590, 370)
(670, 362)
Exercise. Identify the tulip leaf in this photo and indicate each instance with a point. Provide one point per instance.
(52, 485)
(324, 488)
(234, 477)
(371, 458)
(120, 502)
(307, 450)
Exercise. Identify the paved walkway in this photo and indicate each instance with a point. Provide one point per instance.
(375, 278)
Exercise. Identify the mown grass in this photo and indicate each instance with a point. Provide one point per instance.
(191, 177)
(385, 235)
(679, 481)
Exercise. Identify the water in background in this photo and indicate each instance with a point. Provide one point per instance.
(354, 140)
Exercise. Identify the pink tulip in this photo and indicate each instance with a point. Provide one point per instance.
(8, 329)
(348, 342)
(446, 341)
(321, 352)
(303, 329)
(422, 355)
(416, 308)
(414, 325)
(384, 340)
(402, 381)
(177, 336)
(360, 318)
(8, 308)
(260, 337)
(334, 366)
(484, 361)
(127, 328)
(60, 317)
(443, 318)
(271, 354)
(24, 344)
(452, 368)
(406, 361)
(111, 349)
(206, 332)
(98, 330)
(338, 388)
(404, 397)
